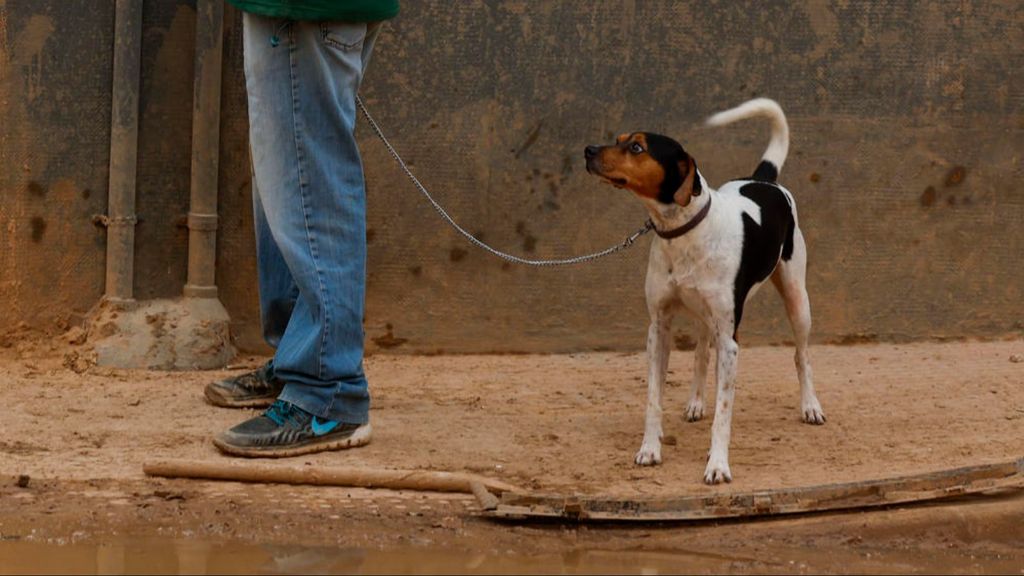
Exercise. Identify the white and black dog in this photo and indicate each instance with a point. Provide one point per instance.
(715, 249)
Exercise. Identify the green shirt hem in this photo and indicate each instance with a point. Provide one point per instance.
(275, 10)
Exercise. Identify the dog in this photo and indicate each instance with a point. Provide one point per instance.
(714, 249)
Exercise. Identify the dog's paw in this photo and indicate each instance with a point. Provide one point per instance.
(694, 410)
(717, 471)
(812, 412)
(649, 454)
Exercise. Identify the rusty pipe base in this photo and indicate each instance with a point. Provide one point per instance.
(178, 334)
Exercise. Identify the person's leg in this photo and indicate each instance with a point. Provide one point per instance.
(310, 209)
(277, 289)
(309, 185)
(318, 218)
(277, 296)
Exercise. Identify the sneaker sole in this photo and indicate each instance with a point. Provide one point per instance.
(359, 437)
(223, 402)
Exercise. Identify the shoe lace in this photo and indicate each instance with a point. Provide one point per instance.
(258, 379)
(281, 412)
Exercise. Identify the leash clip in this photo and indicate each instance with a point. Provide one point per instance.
(648, 226)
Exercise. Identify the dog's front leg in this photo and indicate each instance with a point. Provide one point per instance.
(701, 357)
(717, 469)
(657, 360)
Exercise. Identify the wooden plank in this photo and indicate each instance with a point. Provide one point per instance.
(850, 495)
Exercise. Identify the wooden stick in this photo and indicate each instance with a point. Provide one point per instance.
(424, 480)
(487, 500)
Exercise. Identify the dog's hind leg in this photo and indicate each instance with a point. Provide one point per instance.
(701, 358)
(657, 360)
(790, 279)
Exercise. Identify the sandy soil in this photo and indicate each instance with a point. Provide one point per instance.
(550, 423)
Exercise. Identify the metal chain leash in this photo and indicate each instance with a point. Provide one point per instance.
(648, 226)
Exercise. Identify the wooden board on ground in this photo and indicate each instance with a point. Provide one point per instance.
(852, 495)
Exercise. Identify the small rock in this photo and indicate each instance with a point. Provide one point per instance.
(448, 523)
(79, 363)
(1016, 358)
(75, 336)
(169, 495)
(23, 480)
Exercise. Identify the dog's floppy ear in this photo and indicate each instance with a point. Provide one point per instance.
(691, 182)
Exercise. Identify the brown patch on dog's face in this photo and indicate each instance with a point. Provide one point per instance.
(650, 165)
(627, 164)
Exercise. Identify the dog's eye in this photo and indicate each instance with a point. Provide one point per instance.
(636, 148)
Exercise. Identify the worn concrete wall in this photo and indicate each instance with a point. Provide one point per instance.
(907, 121)
(54, 140)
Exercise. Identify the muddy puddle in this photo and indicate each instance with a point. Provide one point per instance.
(191, 557)
(158, 556)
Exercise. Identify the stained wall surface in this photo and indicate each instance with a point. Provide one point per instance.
(907, 123)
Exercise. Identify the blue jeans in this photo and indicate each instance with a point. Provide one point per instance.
(309, 202)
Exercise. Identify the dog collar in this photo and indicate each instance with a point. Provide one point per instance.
(677, 232)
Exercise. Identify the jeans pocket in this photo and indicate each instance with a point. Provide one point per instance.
(346, 36)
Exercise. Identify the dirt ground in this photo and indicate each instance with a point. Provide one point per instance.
(550, 423)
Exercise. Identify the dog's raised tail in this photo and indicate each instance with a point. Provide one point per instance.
(778, 146)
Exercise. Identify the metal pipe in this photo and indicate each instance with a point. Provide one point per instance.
(124, 135)
(202, 215)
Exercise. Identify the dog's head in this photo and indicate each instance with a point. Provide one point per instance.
(651, 165)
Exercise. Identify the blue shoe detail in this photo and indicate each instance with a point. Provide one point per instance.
(321, 428)
(278, 412)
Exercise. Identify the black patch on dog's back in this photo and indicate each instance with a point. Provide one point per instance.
(762, 245)
(766, 172)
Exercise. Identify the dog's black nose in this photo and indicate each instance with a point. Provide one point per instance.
(590, 151)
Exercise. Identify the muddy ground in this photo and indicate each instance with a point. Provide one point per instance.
(78, 435)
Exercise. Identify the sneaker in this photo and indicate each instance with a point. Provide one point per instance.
(256, 389)
(287, 430)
